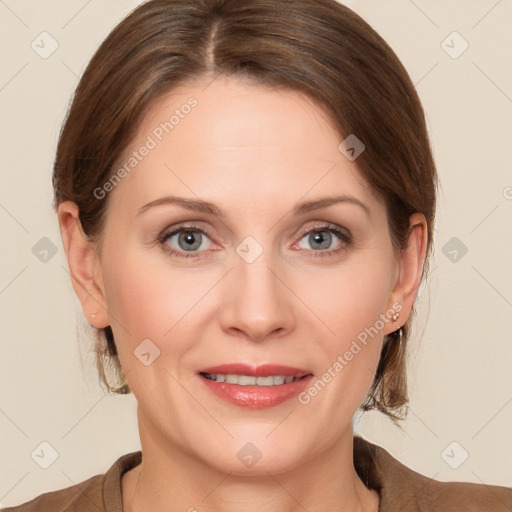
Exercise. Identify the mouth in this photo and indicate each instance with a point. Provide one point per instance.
(255, 387)
(249, 380)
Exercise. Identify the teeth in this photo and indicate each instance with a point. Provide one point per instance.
(248, 380)
(265, 381)
(244, 380)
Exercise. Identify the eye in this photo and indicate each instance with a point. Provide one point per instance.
(324, 237)
(192, 241)
(187, 241)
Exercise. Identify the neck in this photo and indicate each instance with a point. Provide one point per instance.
(168, 479)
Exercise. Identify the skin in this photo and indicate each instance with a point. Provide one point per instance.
(255, 152)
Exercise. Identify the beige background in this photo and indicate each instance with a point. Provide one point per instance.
(460, 360)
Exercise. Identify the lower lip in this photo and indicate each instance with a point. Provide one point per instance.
(256, 397)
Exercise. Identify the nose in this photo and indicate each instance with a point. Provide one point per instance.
(257, 303)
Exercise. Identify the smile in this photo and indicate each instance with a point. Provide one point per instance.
(252, 386)
(249, 380)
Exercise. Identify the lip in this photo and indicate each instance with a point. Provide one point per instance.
(256, 397)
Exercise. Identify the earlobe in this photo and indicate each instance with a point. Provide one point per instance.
(412, 260)
(83, 263)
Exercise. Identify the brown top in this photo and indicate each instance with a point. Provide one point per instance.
(401, 489)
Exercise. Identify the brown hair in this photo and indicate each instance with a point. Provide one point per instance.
(317, 47)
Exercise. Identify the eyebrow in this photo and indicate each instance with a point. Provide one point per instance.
(198, 205)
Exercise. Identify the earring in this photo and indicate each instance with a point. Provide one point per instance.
(395, 316)
(93, 315)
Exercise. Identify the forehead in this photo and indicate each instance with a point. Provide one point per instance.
(234, 113)
(233, 137)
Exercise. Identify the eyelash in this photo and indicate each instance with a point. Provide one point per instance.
(345, 238)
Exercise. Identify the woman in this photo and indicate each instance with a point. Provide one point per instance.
(246, 197)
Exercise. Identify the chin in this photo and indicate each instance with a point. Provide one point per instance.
(257, 454)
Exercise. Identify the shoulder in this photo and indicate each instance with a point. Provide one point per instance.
(402, 488)
(83, 496)
(100, 493)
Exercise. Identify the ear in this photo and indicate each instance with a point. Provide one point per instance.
(410, 269)
(84, 265)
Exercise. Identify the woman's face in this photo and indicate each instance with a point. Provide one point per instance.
(259, 281)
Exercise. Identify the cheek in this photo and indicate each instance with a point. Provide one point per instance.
(352, 298)
(138, 302)
(149, 299)
(148, 302)
(352, 304)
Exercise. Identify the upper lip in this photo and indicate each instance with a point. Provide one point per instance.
(265, 370)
